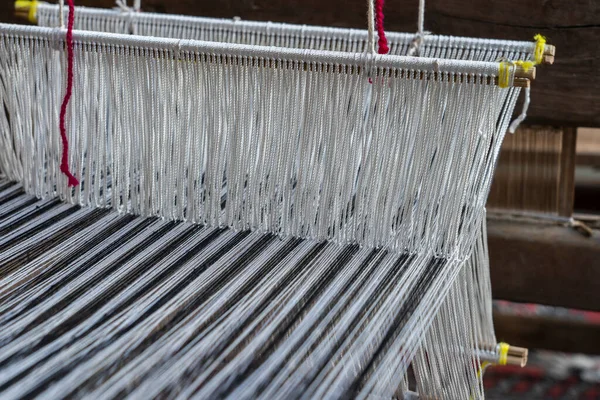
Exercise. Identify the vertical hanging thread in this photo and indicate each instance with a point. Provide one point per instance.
(370, 26)
(379, 17)
(61, 14)
(64, 165)
(421, 19)
(420, 37)
(538, 56)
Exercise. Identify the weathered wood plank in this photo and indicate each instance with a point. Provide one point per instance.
(558, 334)
(588, 147)
(566, 93)
(566, 198)
(544, 264)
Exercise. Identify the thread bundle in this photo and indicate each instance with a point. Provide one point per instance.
(346, 211)
(323, 166)
(64, 164)
(379, 17)
(101, 304)
(284, 35)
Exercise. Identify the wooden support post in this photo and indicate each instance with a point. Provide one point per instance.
(566, 186)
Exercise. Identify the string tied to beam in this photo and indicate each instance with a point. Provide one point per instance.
(122, 4)
(130, 11)
(64, 165)
(538, 56)
(415, 45)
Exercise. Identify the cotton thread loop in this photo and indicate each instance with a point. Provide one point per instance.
(515, 124)
(503, 353)
(61, 13)
(526, 65)
(420, 37)
(504, 74)
(122, 4)
(538, 56)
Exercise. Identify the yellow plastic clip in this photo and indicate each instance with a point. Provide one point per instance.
(504, 74)
(540, 46)
(31, 6)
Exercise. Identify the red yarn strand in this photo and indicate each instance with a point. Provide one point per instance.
(383, 43)
(64, 165)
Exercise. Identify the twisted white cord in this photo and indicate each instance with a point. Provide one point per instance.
(420, 37)
(122, 4)
(371, 26)
(515, 124)
(61, 13)
(130, 11)
(421, 22)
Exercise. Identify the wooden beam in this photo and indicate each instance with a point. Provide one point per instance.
(558, 334)
(566, 185)
(566, 93)
(588, 147)
(544, 264)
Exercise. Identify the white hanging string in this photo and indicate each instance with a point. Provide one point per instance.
(61, 13)
(371, 26)
(515, 124)
(420, 37)
(188, 157)
(283, 35)
(421, 17)
(122, 4)
(308, 220)
(130, 11)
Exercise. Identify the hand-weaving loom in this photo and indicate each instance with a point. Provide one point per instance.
(333, 199)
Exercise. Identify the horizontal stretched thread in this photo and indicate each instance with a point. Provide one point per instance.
(109, 309)
(119, 41)
(319, 155)
(179, 25)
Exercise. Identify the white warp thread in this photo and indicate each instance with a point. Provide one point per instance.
(284, 35)
(61, 13)
(371, 25)
(326, 123)
(235, 140)
(515, 124)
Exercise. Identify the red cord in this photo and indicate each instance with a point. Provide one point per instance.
(383, 43)
(64, 165)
